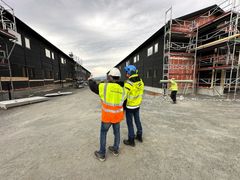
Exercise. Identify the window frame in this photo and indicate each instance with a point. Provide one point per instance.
(150, 51)
(134, 59)
(127, 63)
(47, 53)
(155, 49)
(63, 60)
(52, 55)
(27, 42)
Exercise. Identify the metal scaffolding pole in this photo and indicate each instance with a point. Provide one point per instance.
(237, 76)
(167, 42)
(233, 30)
(8, 23)
(195, 64)
(9, 67)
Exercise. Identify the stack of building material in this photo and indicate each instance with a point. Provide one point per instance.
(57, 94)
(21, 102)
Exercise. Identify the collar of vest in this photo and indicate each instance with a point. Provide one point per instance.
(134, 75)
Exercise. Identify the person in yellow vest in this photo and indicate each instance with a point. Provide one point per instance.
(174, 90)
(112, 95)
(134, 87)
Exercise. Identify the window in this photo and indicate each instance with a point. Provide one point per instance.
(47, 53)
(154, 73)
(24, 72)
(149, 73)
(18, 36)
(150, 51)
(119, 67)
(31, 73)
(48, 74)
(63, 61)
(127, 63)
(135, 59)
(19, 39)
(156, 48)
(27, 43)
(2, 54)
(52, 55)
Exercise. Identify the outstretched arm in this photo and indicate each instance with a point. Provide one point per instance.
(93, 86)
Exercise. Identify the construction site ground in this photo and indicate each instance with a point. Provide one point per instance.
(196, 138)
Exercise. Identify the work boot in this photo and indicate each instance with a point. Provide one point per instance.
(99, 156)
(139, 138)
(113, 151)
(129, 142)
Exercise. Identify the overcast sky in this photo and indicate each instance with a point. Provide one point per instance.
(100, 32)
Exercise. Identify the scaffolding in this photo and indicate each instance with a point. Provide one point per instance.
(167, 43)
(177, 59)
(218, 52)
(8, 31)
(191, 50)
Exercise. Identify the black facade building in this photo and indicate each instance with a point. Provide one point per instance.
(28, 60)
(148, 58)
(201, 49)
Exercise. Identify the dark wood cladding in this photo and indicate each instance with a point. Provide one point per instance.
(33, 63)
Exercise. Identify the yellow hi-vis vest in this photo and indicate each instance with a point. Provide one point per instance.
(112, 96)
(134, 92)
(174, 86)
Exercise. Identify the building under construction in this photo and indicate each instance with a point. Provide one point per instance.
(29, 60)
(201, 49)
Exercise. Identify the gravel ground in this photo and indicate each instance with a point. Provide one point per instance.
(196, 138)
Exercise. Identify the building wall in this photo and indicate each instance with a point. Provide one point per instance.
(150, 67)
(40, 67)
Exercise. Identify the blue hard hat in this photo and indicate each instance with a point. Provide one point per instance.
(130, 69)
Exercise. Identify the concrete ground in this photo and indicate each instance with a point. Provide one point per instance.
(194, 139)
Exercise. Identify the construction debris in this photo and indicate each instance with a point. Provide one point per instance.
(21, 102)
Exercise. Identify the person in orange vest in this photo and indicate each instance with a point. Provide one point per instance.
(112, 95)
(174, 90)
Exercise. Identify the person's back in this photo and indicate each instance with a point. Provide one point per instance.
(135, 86)
(112, 95)
(174, 85)
(174, 89)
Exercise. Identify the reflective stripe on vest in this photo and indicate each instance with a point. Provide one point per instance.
(130, 82)
(113, 111)
(135, 97)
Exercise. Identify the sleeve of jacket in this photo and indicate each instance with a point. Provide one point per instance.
(93, 86)
(128, 86)
(127, 89)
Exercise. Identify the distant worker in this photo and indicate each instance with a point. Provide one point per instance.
(112, 95)
(134, 87)
(174, 90)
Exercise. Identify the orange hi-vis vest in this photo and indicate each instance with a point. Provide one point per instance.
(112, 96)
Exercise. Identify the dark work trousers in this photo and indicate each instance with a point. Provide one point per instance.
(130, 114)
(173, 96)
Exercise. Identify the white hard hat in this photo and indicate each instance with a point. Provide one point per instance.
(115, 72)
